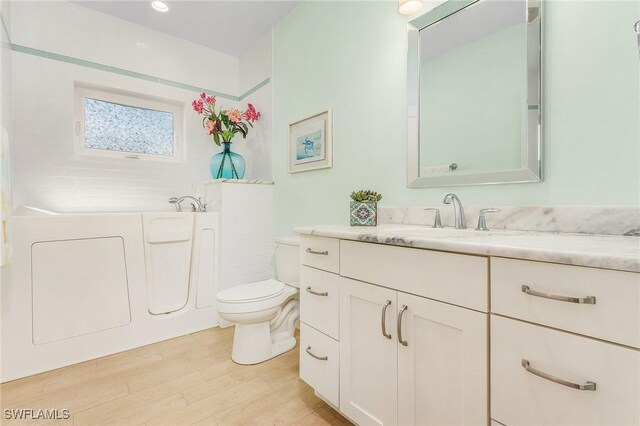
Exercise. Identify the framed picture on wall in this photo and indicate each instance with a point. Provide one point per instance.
(310, 143)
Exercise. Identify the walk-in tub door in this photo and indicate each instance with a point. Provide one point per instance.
(167, 251)
(204, 269)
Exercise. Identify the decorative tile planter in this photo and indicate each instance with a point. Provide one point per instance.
(364, 213)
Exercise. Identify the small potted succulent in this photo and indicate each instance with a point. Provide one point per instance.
(364, 208)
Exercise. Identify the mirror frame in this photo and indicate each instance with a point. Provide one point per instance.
(531, 170)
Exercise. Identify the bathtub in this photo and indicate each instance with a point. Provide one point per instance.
(82, 286)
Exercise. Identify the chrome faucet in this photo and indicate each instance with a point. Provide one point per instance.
(450, 198)
(196, 203)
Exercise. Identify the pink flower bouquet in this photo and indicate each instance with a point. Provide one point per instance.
(224, 124)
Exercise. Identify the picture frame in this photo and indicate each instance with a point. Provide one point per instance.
(310, 143)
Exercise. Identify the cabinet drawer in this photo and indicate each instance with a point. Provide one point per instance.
(319, 252)
(452, 278)
(321, 374)
(320, 300)
(615, 316)
(519, 397)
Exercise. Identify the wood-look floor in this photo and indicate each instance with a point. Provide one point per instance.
(182, 381)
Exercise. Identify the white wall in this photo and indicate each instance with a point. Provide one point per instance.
(46, 171)
(5, 64)
(5, 119)
(255, 68)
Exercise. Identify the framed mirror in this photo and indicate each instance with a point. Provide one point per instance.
(474, 94)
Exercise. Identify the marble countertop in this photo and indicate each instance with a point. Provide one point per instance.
(597, 251)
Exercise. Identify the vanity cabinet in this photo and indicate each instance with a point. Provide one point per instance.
(401, 335)
(564, 344)
(403, 358)
(410, 360)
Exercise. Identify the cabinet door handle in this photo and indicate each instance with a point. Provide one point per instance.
(321, 358)
(589, 300)
(317, 293)
(589, 386)
(383, 319)
(402, 309)
(321, 253)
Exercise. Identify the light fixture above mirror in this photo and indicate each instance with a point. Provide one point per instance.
(409, 7)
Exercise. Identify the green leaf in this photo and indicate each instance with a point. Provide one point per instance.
(216, 138)
(366, 195)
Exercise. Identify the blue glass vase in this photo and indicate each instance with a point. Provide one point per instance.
(227, 164)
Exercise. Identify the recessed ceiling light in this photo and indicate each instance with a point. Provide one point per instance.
(160, 6)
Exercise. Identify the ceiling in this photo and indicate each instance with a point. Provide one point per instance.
(226, 26)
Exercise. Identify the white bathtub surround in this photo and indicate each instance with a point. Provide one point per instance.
(84, 286)
(246, 229)
(608, 220)
(597, 251)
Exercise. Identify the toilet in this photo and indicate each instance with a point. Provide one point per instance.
(265, 312)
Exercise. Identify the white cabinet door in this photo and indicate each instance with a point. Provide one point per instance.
(368, 359)
(442, 370)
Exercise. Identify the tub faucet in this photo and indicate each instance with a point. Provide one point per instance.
(458, 210)
(196, 203)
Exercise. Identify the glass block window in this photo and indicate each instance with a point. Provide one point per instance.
(127, 125)
(115, 127)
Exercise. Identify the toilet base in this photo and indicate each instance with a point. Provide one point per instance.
(258, 342)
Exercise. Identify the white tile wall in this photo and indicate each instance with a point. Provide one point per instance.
(246, 230)
(69, 29)
(48, 174)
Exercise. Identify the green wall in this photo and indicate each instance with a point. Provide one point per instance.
(351, 56)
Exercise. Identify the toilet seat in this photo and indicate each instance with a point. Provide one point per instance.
(251, 292)
(253, 297)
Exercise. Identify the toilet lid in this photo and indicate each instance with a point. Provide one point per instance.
(252, 292)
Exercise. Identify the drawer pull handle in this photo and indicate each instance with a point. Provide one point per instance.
(321, 253)
(589, 386)
(589, 300)
(383, 319)
(317, 293)
(320, 358)
(402, 341)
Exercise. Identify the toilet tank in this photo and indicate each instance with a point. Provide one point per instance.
(288, 260)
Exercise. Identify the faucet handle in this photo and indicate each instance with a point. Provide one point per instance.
(437, 223)
(203, 206)
(482, 222)
(175, 202)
